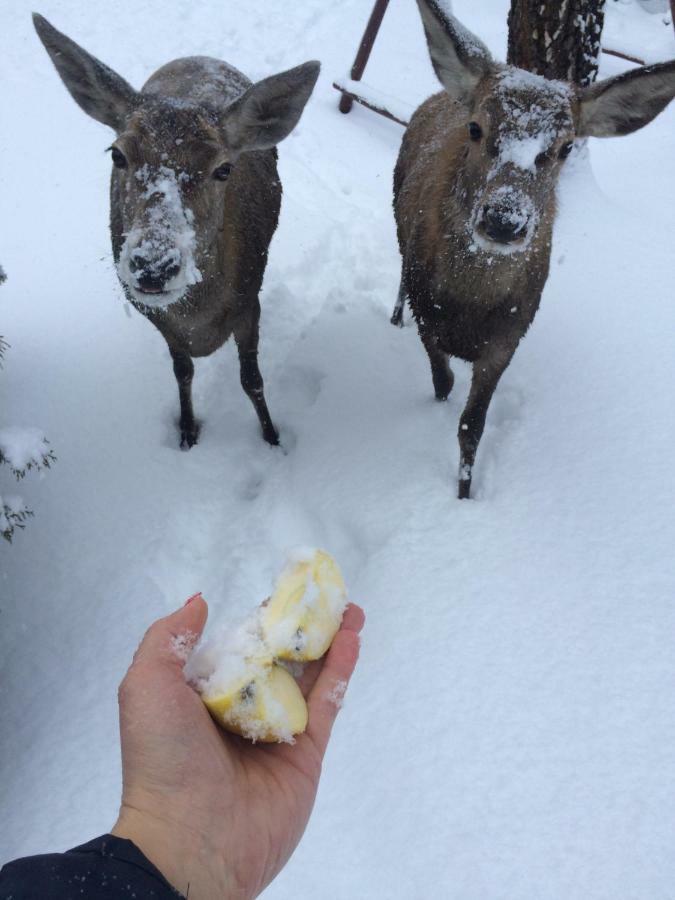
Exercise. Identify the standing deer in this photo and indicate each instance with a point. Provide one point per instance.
(194, 198)
(474, 200)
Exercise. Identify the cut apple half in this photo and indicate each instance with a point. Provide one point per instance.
(267, 706)
(304, 613)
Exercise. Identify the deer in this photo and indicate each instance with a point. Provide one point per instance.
(475, 201)
(195, 197)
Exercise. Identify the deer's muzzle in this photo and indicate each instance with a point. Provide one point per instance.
(151, 274)
(157, 261)
(505, 216)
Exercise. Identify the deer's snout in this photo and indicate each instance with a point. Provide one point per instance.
(504, 223)
(153, 273)
(506, 214)
(158, 254)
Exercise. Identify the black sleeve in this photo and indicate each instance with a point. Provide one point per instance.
(106, 868)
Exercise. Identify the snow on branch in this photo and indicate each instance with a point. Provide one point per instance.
(13, 514)
(23, 449)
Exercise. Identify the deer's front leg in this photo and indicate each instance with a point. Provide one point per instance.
(487, 371)
(441, 373)
(399, 306)
(246, 337)
(183, 369)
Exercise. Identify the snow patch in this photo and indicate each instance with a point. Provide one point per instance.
(218, 661)
(471, 45)
(511, 78)
(522, 152)
(377, 98)
(182, 644)
(337, 694)
(536, 110)
(23, 448)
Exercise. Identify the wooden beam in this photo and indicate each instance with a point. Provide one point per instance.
(627, 56)
(350, 96)
(363, 53)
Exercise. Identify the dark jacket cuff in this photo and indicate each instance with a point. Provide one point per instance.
(103, 869)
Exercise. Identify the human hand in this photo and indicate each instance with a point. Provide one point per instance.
(218, 815)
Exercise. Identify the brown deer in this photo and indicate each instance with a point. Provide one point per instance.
(194, 198)
(474, 200)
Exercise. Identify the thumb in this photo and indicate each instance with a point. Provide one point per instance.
(168, 641)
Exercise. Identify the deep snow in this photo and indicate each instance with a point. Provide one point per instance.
(510, 730)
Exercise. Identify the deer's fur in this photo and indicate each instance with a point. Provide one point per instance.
(474, 200)
(190, 241)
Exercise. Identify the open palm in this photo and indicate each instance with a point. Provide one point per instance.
(218, 815)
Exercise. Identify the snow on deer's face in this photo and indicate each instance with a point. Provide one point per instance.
(170, 165)
(521, 130)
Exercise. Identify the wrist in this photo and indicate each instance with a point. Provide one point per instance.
(186, 858)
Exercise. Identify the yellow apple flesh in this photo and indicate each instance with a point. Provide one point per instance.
(304, 613)
(264, 705)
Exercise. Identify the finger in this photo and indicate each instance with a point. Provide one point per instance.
(352, 620)
(168, 641)
(327, 695)
(307, 677)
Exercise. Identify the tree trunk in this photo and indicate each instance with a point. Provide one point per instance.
(557, 38)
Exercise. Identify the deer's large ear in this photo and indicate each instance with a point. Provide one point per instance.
(268, 111)
(97, 89)
(459, 58)
(623, 104)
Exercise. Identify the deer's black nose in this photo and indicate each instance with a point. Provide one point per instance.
(137, 260)
(152, 275)
(504, 224)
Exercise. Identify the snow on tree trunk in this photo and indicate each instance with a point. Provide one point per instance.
(557, 38)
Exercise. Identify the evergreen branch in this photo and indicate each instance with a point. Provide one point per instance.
(11, 519)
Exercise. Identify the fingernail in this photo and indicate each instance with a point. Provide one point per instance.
(193, 597)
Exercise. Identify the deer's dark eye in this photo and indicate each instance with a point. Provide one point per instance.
(118, 158)
(565, 150)
(541, 158)
(222, 173)
(475, 131)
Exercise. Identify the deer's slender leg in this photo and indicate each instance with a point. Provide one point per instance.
(486, 374)
(441, 373)
(183, 369)
(399, 306)
(246, 337)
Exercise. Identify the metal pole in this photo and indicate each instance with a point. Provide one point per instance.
(365, 47)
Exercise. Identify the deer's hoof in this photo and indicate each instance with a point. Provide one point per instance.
(464, 489)
(443, 379)
(189, 437)
(271, 435)
(397, 318)
(443, 387)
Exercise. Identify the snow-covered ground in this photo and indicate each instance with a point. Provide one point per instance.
(510, 731)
